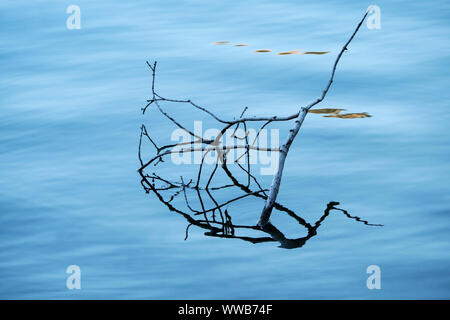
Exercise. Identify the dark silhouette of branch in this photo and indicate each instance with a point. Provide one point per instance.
(208, 210)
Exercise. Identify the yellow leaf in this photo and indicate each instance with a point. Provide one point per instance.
(316, 52)
(289, 52)
(326, 110)
(349, 115)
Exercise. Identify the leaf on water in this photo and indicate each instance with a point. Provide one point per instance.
(316, 52)
(349, 115)
(263, 50)
(241, 45)
(218, 43)
(326, 111)
(335, 113)
(289, 52)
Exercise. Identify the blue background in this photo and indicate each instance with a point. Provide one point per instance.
(69, 122)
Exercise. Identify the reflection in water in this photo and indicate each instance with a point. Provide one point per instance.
(228, 230)
(217, 219)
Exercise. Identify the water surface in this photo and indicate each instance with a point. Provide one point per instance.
(70, 117)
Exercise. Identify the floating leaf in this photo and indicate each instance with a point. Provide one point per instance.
(316, 52)
(218, 43)
(241, 45)
(289, 52)
(326, 110)
(349, 115)
(263, 50)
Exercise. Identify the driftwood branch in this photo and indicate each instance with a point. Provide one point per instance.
(200, 203)
(275, 187)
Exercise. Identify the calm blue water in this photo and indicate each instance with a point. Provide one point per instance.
(70, 116)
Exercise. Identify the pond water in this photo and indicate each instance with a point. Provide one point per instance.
(70, 121)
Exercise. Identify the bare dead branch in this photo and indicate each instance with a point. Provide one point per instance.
(275, 187)
(209, 212)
